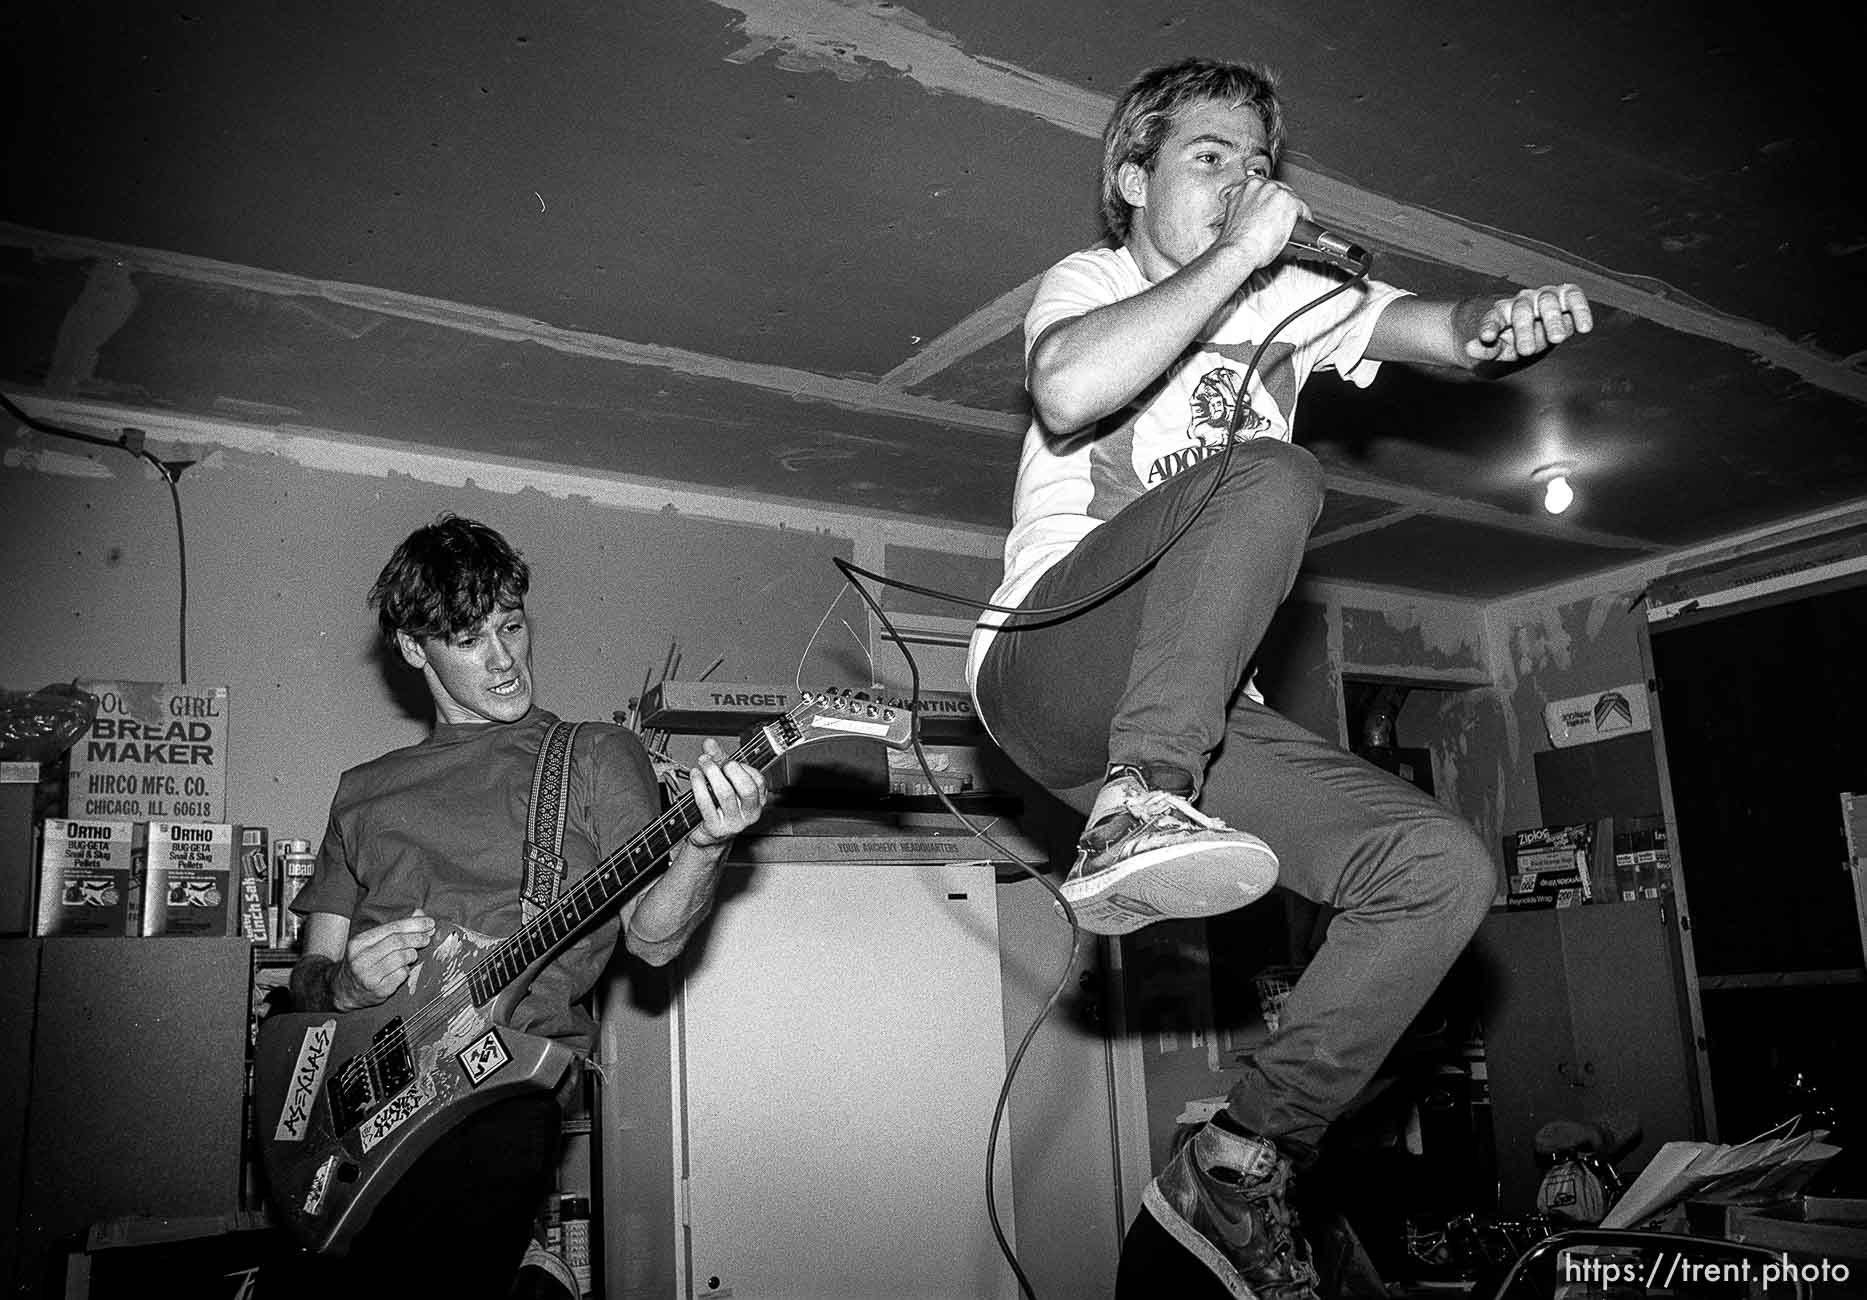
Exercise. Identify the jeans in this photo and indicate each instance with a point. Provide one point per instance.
(1152, 675)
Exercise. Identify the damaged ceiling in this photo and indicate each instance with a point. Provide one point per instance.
(784, 247)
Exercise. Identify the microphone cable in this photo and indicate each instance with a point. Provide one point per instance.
(1047, 612)
(852, 572)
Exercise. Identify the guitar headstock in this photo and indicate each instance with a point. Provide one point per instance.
(842, 715)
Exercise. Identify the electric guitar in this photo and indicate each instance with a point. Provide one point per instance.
(346, 1101)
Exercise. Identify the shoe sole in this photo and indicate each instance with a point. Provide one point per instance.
(1175, 882)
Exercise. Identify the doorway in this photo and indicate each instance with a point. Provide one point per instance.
(1765, 731)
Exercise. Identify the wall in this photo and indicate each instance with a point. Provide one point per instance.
(285, 534)
(1542, 648)
(283, 539)
(281, 555)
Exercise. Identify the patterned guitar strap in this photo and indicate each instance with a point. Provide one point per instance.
(550, 809)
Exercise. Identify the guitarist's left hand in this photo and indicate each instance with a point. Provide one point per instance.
(729, 796)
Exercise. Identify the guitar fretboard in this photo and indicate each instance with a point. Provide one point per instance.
(615, 879)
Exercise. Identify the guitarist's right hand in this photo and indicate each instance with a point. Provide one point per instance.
(377, 962)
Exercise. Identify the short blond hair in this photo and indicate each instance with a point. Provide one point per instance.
(1144, 116)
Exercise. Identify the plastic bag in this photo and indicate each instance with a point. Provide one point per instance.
(1573, 1191)
(38, 726)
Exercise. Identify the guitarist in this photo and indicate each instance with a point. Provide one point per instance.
(435, 830)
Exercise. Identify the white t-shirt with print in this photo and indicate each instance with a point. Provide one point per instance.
(1069, 485)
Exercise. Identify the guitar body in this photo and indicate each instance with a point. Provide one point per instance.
(346, 1101)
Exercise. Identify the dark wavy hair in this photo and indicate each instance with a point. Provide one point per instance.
(445, 577)
(1144, 115)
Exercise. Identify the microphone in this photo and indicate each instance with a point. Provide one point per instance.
(1309, 240)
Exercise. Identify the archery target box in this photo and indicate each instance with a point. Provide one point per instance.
(191, 882)
(87, 872)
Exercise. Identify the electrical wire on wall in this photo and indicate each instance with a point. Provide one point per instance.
(1051, 613)
(133, 442)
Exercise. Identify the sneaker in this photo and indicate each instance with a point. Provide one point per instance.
(1148, 855)
(1224, 1197)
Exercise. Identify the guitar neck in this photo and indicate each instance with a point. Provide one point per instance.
(619, 876)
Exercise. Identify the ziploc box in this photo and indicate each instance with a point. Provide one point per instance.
(192, 880)
(86, 871)
(1549, 866)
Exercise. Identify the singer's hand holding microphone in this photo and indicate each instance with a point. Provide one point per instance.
(1261, 198)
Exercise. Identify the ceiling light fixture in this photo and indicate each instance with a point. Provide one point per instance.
(1557, 494)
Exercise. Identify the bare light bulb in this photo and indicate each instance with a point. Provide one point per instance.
(1557, 494)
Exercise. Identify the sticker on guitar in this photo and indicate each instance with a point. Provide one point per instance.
(483, 1058)
(314, 1058)
(395, 1112)
(320, 1185)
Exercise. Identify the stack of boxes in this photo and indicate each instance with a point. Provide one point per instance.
(127, 835)
(145, 848)
(1642, 858)
(1613, 860)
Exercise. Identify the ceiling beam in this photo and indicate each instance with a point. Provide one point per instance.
(1412, 501)
(983, 328)
(119, 260)
(486, 322)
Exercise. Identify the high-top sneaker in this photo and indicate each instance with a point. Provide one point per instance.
(1147, 854)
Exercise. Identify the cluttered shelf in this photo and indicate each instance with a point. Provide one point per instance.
(949, 797)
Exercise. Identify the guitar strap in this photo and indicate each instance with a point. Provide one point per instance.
(550, 809)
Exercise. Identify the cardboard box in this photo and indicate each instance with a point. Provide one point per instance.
(190, 883)
(715, 707)
(1818, 1230)
(1549, 866)
(19, 785)
(848, 842)
(1626, 860)
(256, 885)
(87, 870)
(1642, 859)
(157, 751)
(1662, 863)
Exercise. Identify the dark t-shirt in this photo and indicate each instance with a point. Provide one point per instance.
(440, 825)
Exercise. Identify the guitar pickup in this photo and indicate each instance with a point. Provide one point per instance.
(370, 1078)
(389, 1052)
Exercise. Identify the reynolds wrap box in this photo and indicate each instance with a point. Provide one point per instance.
(1549, 866)
(192, 880)
(87, 870)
